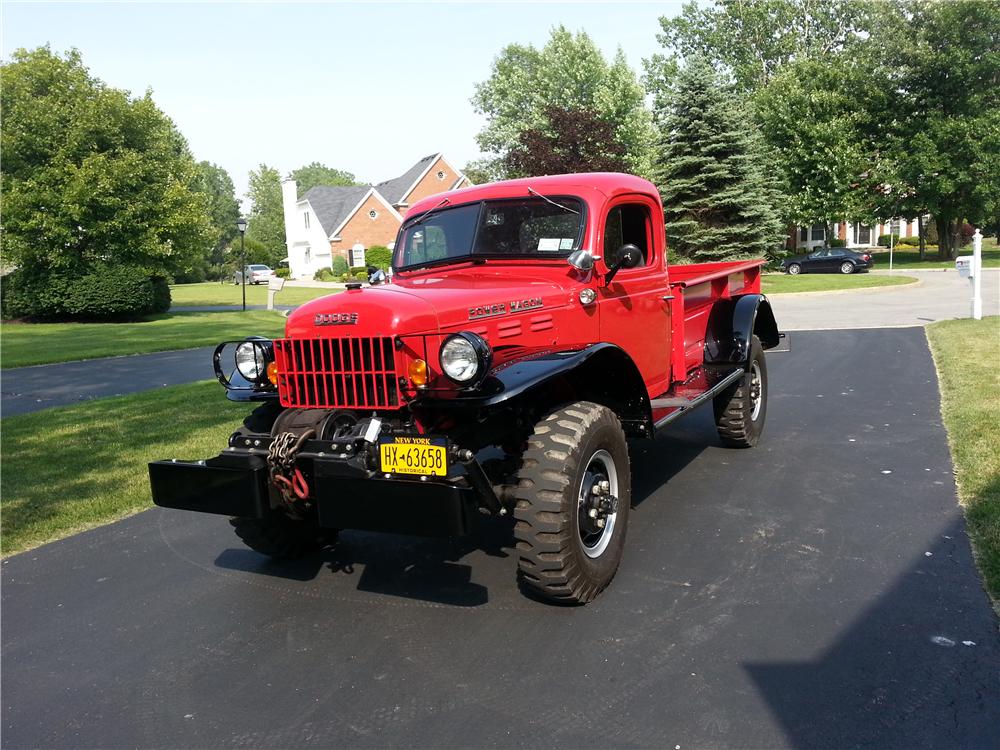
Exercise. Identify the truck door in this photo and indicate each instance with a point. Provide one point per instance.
(633, 312)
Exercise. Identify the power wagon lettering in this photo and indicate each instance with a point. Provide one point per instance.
(502, 308)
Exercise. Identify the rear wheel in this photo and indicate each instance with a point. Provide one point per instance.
(282, 537)
(741, 409)
(574, 492)
(794, 269)
(847, 267)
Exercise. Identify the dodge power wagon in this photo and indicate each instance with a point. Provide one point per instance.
(529, 329)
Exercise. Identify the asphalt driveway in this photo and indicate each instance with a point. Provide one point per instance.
(817, 591)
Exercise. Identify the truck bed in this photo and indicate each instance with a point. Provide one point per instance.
(695, 288)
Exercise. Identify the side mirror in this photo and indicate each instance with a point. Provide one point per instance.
(629, 256)
(582, 260)
(376, 278)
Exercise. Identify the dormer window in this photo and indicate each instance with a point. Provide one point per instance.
(306, 217)
(441, 175)
(373, 214)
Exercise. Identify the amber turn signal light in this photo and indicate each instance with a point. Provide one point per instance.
(272, 372)
(418, 373)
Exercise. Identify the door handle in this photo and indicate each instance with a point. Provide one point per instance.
(667, 297)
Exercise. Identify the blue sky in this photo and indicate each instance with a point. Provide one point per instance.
(369, 88)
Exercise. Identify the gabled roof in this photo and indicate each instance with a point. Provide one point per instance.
(396, 189)
(334, 205)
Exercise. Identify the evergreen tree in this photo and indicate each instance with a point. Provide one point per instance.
(720, 200)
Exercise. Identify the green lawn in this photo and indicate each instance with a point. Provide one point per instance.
(909, 258)
(103, 448)
(779, 283)
(213, 293)
(966, 353)
(41, 343)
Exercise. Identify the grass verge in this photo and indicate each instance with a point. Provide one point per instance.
(213, 293)
(966, 353)
(42, 343)
(104, 446)
(775, 283)
(909, 258)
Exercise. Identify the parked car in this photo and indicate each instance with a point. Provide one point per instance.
(256, 274)
(833, 259)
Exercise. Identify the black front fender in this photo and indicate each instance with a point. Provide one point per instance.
(602, 373)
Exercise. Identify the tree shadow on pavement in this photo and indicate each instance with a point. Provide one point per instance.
(919, 668)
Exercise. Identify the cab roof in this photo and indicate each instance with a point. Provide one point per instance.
(587, 185)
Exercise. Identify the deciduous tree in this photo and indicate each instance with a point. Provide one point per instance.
(568, 73)
(92, 175)
(314, 174)
(216, 185)
(573, 140)
(266, 223)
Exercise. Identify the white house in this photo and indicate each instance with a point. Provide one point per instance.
(856, 234)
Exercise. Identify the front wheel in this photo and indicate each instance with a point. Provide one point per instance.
(574, 492)
(740, 410)
(847, 267)
(794, 269)
(281, 537)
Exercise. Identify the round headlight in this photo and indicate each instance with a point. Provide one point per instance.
(465, 357)
(250, 361)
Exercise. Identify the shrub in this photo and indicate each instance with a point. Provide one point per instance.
(965, 233)
(883, 240)
(339, 265)
(103, 293)
(283, 273)
(909, 241)
(360, 273)
(838, 243)
(323, 274)
(378, 256)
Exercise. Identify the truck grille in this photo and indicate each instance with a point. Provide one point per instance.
(356, 373)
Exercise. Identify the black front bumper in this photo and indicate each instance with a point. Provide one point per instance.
(345, 496)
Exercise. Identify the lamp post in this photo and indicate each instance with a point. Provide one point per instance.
(241, 224)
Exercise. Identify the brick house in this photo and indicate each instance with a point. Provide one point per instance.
(854, 234)
(329, 221)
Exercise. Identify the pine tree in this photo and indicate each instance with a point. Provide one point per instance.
(719, 196)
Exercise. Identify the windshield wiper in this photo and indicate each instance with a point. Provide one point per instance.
(549, 200)
(427, 214)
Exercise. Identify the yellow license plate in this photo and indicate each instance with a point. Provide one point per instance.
(406, 454)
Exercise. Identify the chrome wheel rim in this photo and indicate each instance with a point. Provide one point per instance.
(846, 268)
(755, 391)
(793, 269)
(597, 504)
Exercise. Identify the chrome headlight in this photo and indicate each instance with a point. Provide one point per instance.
(465, 357)
(252, 358)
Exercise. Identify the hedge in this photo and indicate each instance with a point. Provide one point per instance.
(104, 293)
(378, 256)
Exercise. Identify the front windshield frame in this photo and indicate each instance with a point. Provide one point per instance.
(575, 202)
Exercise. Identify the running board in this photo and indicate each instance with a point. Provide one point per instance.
(679, 405)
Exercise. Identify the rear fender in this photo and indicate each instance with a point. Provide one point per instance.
(732, 326)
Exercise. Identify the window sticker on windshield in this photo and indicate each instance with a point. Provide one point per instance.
(566, 243)
(548, 244)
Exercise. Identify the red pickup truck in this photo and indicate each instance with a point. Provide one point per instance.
(530, 327)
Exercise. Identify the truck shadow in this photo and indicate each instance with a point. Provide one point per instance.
(432, 570)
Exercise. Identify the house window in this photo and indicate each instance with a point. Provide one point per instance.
(309, 256)
(804, 234)
(306, 217)
(862, 234)
(440, 175)
(373, 214)
(818, 233)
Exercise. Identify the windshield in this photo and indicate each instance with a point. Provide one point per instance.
(259, 268)
(517, 228)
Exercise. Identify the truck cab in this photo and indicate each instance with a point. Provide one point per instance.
(529, 329)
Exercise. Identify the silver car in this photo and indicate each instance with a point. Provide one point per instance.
(256, 274)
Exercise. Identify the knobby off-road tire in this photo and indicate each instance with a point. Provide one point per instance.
(281, 537)
(741, 409)
(562, 555)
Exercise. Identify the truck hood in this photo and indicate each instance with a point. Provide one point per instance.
(435, 302)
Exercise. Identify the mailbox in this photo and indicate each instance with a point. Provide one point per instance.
(275, 284)
(966, 266)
